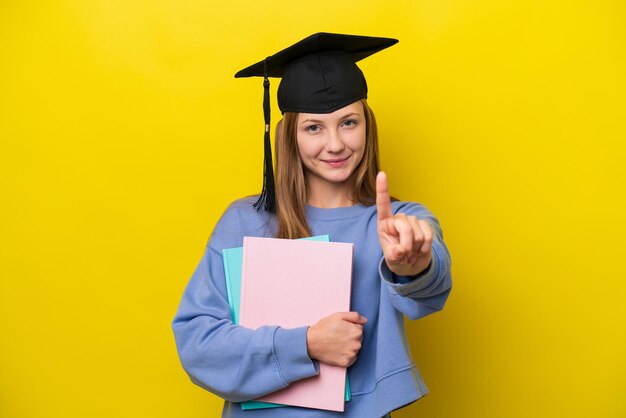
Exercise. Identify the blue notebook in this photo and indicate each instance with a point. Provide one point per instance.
(233, 258)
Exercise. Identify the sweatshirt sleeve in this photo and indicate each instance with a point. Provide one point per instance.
(427, 292)
(231, 361)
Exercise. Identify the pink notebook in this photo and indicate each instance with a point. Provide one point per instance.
(293, 283)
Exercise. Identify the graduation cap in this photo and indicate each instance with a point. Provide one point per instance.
(319, 75)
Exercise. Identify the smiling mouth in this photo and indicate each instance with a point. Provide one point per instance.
(339, 160)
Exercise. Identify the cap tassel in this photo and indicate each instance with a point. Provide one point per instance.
(267, 199)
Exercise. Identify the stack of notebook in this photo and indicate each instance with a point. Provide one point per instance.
(292, 283)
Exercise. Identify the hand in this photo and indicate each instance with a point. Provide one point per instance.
(336, 339)
(406, 241)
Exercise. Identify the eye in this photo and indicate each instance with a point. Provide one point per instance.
(312, 129)
(349, 123)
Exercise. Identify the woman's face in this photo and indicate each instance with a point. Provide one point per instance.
(331, 145)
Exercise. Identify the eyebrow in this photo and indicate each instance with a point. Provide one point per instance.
(320, 121)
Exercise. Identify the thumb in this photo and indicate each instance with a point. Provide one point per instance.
(354, 317)
(383, 200)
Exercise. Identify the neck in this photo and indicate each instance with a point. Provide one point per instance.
(327, 195)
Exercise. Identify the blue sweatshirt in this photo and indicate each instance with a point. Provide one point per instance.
(238, 363)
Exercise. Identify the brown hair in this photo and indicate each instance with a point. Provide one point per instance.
(291, 194)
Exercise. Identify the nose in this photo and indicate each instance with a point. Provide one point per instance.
(334, 142)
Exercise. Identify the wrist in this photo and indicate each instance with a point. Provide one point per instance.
(310, 342)
(406, 270)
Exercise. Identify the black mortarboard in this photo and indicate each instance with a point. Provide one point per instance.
(319, 75)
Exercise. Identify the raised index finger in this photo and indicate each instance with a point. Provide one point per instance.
(383, 201)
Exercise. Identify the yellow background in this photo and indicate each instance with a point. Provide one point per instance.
(124, 136)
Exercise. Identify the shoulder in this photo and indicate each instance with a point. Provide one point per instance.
(238, 220)
(244, 205)
(418, 210)
(410, 208)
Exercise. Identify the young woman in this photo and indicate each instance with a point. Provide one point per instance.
(327, 182)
